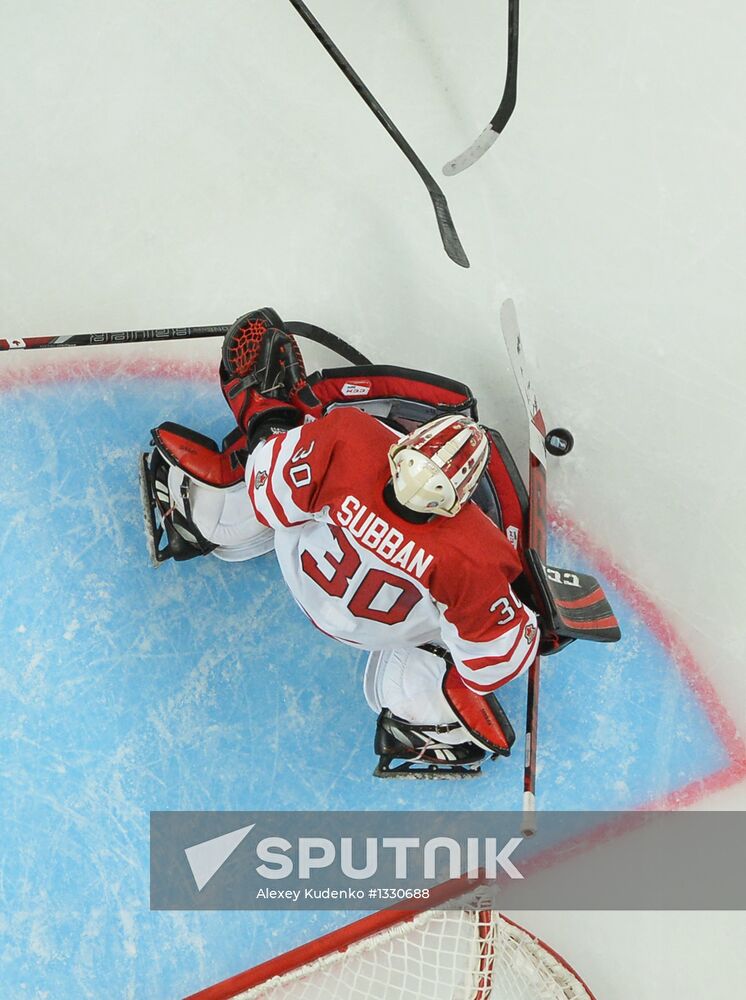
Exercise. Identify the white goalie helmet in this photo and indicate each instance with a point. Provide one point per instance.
(436, 468)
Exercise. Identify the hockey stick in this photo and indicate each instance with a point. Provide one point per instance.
(306, 330)
(537, 540)
(483, 142)
(448, 234)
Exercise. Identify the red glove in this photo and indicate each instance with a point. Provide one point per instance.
(261, 369)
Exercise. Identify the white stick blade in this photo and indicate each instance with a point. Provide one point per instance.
(477, 149)
(522, 372)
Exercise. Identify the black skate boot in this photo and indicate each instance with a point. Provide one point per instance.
(183, 540)
(422, 754)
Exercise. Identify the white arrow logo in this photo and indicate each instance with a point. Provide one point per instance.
(208, 857)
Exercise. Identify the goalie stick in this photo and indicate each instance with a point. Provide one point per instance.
(307, 330)
(571, 605)
(537, 539)
(449, 236)
(483, 142)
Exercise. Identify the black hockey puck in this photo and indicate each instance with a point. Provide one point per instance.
(559, 441)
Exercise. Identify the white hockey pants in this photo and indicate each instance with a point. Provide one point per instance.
(408, 683)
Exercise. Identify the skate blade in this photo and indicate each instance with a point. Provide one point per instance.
(404, 773)
(148, 513)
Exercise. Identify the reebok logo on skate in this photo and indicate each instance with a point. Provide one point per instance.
(361, 388)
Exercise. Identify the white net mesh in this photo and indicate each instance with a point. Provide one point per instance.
(440, 955)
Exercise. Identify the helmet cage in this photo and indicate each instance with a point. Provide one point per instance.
(436, 468)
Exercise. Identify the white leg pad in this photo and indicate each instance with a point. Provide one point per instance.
(224, 516)
(408, 683)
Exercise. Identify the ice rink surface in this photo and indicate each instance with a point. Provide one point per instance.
(181, 163)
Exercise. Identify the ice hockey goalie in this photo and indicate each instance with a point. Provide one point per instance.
(397, 522)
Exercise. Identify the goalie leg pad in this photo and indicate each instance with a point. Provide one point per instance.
(226, 518)
(198, 455)
(481, 715)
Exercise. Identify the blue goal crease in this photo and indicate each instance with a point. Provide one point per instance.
(202, 686)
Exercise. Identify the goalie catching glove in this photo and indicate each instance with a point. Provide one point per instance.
(260, 372)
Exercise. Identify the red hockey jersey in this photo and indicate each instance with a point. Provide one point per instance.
(366, 576)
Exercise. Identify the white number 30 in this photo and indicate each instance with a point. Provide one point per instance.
(301, 474)
(507, 610)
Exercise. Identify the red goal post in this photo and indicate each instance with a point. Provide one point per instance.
(413, 955)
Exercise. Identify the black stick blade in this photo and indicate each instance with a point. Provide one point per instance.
(449, 236)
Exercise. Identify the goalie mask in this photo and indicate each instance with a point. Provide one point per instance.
(436, 468)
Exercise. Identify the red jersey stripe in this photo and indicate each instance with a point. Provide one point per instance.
(486, 688)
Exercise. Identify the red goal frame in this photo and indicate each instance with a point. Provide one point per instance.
(338, 941)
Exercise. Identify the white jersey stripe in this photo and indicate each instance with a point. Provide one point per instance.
(500, 647)
(262, 497)
(491, 678)
(280, 488)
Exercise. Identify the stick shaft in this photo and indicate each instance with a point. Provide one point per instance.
(306, 330)
(448, 234)
(120, 337)
(537, 540)
(507, 103)
(359, 86)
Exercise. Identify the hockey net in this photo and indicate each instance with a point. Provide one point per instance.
(400, 955)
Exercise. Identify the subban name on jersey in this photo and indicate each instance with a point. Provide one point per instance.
(376, 534)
